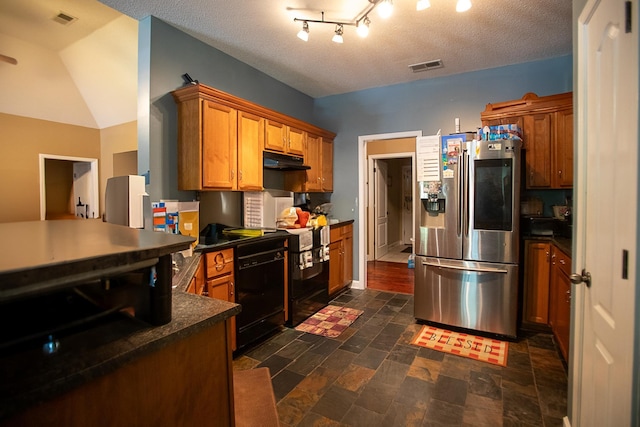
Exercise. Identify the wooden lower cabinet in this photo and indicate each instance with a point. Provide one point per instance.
(220, 282)
(560, 303)
(340, 258)
(547, 291)
(537, 256)
(186, 382)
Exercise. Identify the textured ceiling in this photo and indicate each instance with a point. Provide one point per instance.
(263, 34)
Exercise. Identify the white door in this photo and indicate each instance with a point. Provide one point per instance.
(380, 209)
(407, 206)
(607, 99)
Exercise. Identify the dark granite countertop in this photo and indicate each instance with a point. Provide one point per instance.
(342, 223)
(563, 243)
(28, 376)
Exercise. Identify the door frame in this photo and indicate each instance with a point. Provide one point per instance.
(94, 199)
(363, 185)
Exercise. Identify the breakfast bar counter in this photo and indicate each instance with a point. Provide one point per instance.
(120, 369)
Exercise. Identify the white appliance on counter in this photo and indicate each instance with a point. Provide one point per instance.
(262, 208)
(127, 202)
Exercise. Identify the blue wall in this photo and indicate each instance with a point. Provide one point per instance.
(424, 105)
(428, 105)
(165, 54)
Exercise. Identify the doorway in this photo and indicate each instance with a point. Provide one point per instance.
(68, 187)
(404, 147)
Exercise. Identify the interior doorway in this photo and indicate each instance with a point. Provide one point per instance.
(404, 147)
(68, 187)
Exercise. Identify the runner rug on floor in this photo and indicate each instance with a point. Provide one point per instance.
(461, 344)
(330, 321)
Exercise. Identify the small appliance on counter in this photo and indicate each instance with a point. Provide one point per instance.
(127, 202)
(262, 208)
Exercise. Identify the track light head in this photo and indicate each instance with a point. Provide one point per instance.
(363, 27)
(385, 8)
(463, 5)
(423, 4)
(303, 34)
(337, 37)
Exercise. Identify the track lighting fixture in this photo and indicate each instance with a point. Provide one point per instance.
(303, 34)
(362, 21)
(337, 37)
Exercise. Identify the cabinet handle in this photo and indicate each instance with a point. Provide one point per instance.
(568, 296)
(562, 262)
(231, 288)
(240, 175)
(559, 172)
(233, 172)
(547, 252)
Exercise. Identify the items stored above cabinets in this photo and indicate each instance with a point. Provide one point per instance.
(221, 139)
(547, 124)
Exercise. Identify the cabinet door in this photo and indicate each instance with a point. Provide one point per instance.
(219, 288)
(560, 308)
(536, 281)
(313, 157)
(347, 250)
(219, 144)
(327, 165)
(296, 141)
(538, 134)
(275, 136)
(250, 145)
(335, 266)
(563, 149)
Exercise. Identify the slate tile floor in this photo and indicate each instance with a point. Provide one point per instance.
(372, 376)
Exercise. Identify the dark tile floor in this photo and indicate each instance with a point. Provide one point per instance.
(372, 376)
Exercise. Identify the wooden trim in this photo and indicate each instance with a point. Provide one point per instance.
(530, 103)
(200, 91)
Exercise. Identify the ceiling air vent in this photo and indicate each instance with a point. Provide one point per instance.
(64, 18)
(428, 65)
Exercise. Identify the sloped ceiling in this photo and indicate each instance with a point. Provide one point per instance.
(83, 73)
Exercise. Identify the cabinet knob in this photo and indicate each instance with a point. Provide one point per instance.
(559, 172)
(562, 262)
(231, 288)
(240, 175)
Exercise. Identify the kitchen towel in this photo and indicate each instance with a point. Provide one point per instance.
(329, 322)
(474, 347)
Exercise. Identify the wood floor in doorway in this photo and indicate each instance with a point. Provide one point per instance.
(390, 277)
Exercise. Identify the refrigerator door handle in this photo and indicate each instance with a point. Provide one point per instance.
(466, 209)
(476, 269)
(460, 192)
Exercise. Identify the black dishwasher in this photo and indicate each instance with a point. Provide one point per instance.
(259, 287)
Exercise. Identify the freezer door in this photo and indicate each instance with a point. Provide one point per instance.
(491, 201)
(472, 295)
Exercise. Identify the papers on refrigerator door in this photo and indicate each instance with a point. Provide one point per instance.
(428, 158)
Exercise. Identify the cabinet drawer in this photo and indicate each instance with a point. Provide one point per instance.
(219, 263)
(340, 232)
(562, 260)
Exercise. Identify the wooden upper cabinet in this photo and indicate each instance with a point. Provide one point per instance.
(327, 165)
(284, 139)
(221, 139)
(313, 158)
(219, 146)
(538, 133)
(547, 124)
(250, 143)
(563, 158)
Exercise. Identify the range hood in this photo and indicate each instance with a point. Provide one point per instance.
(283, 162)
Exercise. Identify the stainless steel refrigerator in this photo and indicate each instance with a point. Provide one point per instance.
(466, 240)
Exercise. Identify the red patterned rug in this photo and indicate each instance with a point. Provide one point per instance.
(330, 321)
(465, 345)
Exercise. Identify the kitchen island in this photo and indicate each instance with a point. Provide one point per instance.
(117, 369)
